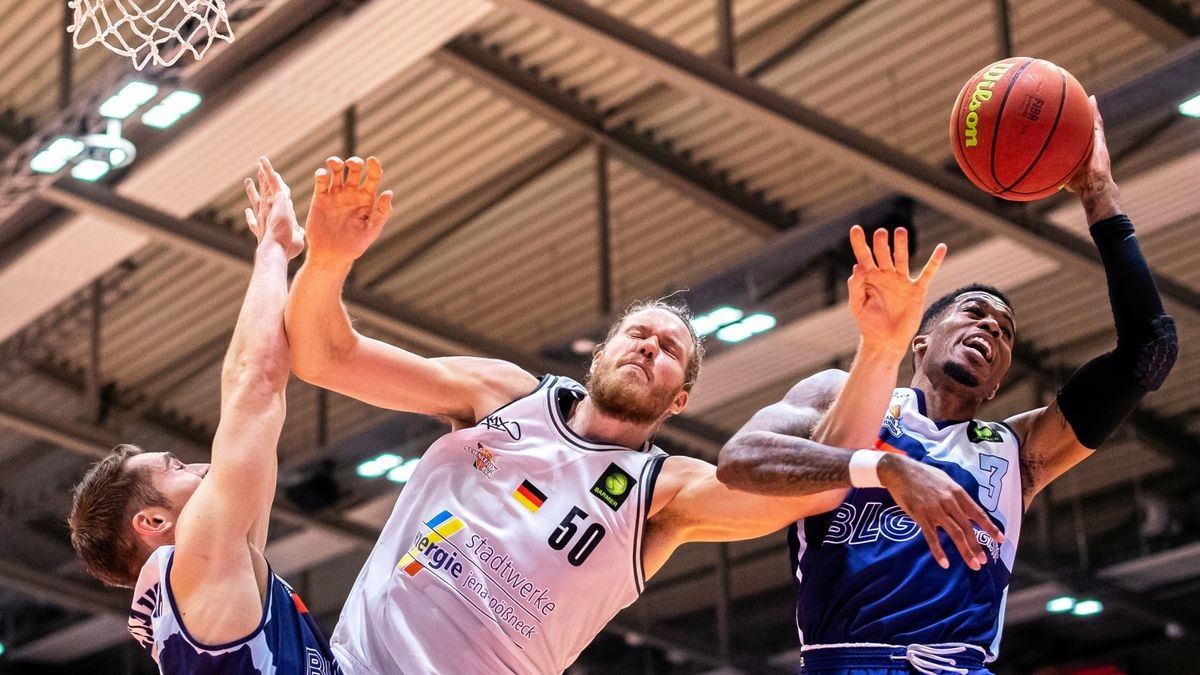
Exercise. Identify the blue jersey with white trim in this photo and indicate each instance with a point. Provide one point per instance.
(864, 574)
(286, 642)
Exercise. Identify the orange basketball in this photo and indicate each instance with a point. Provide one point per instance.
(1021, 128)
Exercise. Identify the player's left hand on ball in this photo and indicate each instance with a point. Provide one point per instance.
(1096, 173)
(271, 216)
(885, 301)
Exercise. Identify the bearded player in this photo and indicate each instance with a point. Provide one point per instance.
(540, 515)
(189, 538)
(869, 598)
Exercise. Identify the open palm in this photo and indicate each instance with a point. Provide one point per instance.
(346, 215)
(886, 303)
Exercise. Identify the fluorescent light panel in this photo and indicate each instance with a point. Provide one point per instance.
(378, 466)
(56, 155)
(1060, 605)
(125, 102)
(1190, 107)
(90, 170)
(169, 110)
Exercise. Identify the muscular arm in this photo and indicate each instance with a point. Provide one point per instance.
(218, 575)
(1102, 393)
(344, 219)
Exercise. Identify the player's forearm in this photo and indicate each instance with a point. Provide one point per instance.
(769, 463)
(258, 353)
(317, 324)
(854, 418)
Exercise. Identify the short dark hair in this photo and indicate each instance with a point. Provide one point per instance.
(938, 309)
(679, 309)
(108, 496)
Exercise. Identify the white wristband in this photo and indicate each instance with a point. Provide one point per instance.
(864, 465)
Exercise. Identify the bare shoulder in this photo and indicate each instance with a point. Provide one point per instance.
(495, 382)
(818, 390)
(801, 409)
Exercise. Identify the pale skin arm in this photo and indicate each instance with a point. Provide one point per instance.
(345, 218)
(218, 575)
(1048, 443)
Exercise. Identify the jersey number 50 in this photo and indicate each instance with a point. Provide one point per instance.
(565, 532)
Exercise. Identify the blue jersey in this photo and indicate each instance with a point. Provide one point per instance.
(863, 572)
(286, 642)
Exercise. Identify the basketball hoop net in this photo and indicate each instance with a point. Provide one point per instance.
(160, 33)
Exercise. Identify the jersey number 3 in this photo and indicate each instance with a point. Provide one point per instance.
(565, 532)
(996, 467)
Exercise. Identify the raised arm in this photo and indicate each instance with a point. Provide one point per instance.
(1105, 390)
(345, 218)
(770, 454)
(213, 574)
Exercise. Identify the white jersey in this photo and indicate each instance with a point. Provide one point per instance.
(512, 545)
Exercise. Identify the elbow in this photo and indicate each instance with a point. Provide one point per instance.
(737, 462)
(257, 386)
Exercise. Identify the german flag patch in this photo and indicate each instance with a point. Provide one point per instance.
(529, 496)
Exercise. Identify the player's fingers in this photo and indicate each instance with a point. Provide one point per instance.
(900, 255)
(374, 175)
(958, 526)
(252, 193)
(321, 181)
(251, 221)
(862, 253)
(336, 170)
(883, 252)
(929, 531)
(980, 517)
(932, 265)
(383, 209)
(354, 171)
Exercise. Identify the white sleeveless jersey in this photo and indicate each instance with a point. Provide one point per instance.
(863, 571)
(286, 642)
(512, 545)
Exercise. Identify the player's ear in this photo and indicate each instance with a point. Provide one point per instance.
(152, 522)
(678, 403)
(919, 344)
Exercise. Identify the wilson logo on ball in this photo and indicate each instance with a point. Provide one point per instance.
(981, 95)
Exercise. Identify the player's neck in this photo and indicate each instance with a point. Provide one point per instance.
(946, 401)
(587, 421)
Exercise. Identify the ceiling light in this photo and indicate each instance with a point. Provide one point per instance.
(171, 109)
(377, 466)
(1060, 605)
(56, 155)
(708, 323)
(1190, 107)
(90, 170)
(734, 332)
(126, 101)
(1087, 608)
(759, 322)
(583, 346)
(402, 473)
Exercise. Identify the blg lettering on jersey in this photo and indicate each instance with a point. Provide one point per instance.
(851, 526)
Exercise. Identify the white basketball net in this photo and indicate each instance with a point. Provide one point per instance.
(161, 32)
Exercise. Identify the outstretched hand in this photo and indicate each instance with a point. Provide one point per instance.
(270, 216)
(885, 301)
(1093, 183)
(346, 215)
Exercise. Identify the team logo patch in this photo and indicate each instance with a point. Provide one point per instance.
(485, 459)
(892, 421)
(613, 486)
(529, 496)
(426, 551)
(984, 433)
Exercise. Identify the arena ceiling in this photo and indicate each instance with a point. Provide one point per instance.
(552, 161)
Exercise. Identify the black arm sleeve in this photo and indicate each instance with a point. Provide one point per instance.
(1102, 393)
